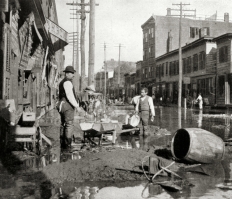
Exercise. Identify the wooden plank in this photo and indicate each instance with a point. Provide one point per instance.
(129, 130)
(23, 140)
(45, 139)
(18, 130)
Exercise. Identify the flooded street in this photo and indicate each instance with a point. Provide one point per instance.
(29, 178)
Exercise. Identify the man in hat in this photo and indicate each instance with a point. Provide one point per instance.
(67, 104)
(144, 105)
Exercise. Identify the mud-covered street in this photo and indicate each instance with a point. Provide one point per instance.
(115, 170)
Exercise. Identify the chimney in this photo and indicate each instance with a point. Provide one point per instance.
(168, 11)
(169, 41)
(226, 17)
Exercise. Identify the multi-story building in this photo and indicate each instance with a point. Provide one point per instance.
(138, 77)
(199, 60)
(223, 69)
(161, 35)
(31, 53)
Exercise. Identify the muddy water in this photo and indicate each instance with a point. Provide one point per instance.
(23, 185)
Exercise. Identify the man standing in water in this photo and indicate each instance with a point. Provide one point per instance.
(66, 106)
(144, 105)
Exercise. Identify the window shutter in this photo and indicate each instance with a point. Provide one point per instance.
(200, 33)
(8, 50)
(208, 31)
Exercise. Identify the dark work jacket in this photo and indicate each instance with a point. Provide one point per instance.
(62, 94)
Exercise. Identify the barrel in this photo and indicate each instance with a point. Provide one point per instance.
(197, 145)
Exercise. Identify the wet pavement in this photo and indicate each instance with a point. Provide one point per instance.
(18, 185)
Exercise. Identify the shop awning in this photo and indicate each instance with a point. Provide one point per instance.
(59, 36)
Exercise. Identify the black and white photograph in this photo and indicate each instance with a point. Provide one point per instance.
(115, 99)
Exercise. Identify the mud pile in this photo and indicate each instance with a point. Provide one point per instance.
(113, 165)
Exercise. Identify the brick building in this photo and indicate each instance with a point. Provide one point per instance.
(223, 69)
(161, 35)
(199, 61)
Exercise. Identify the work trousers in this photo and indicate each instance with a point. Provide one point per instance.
(66, 127)
(144, 115)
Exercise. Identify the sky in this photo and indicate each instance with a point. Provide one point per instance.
(119, 22)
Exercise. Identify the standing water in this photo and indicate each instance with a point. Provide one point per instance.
(169, 118)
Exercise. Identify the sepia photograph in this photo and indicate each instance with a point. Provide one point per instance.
(115, 99)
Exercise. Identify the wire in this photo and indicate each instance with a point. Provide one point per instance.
(143, 168)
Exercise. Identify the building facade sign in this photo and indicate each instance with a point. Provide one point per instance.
(57, 31)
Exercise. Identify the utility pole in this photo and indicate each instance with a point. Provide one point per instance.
(91, 39)
(105, 68)
(180, 50)
(82, 12)
(75, 64)
(119, 71)
(83, 28)
(91, 42)
(77, 57)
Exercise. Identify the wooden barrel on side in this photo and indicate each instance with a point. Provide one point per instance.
(197, 145)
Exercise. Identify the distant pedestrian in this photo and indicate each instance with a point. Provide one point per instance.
(144, 105)
(68, 102)
(200, 101)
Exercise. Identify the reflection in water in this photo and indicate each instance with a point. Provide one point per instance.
(179, 118)
(200, 118)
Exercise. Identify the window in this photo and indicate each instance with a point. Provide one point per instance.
(152, 50)
(201, 86)
(184, 66)
(209, 86)
(221, 85)
(193, 31)
(146, 37)
(162, 70)
(166, 68)
(171, 68)
(223, 54)
(175, 68)
(145, 54)
(201, 60)
(189, 64)
(152, 32)
(195, 62)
